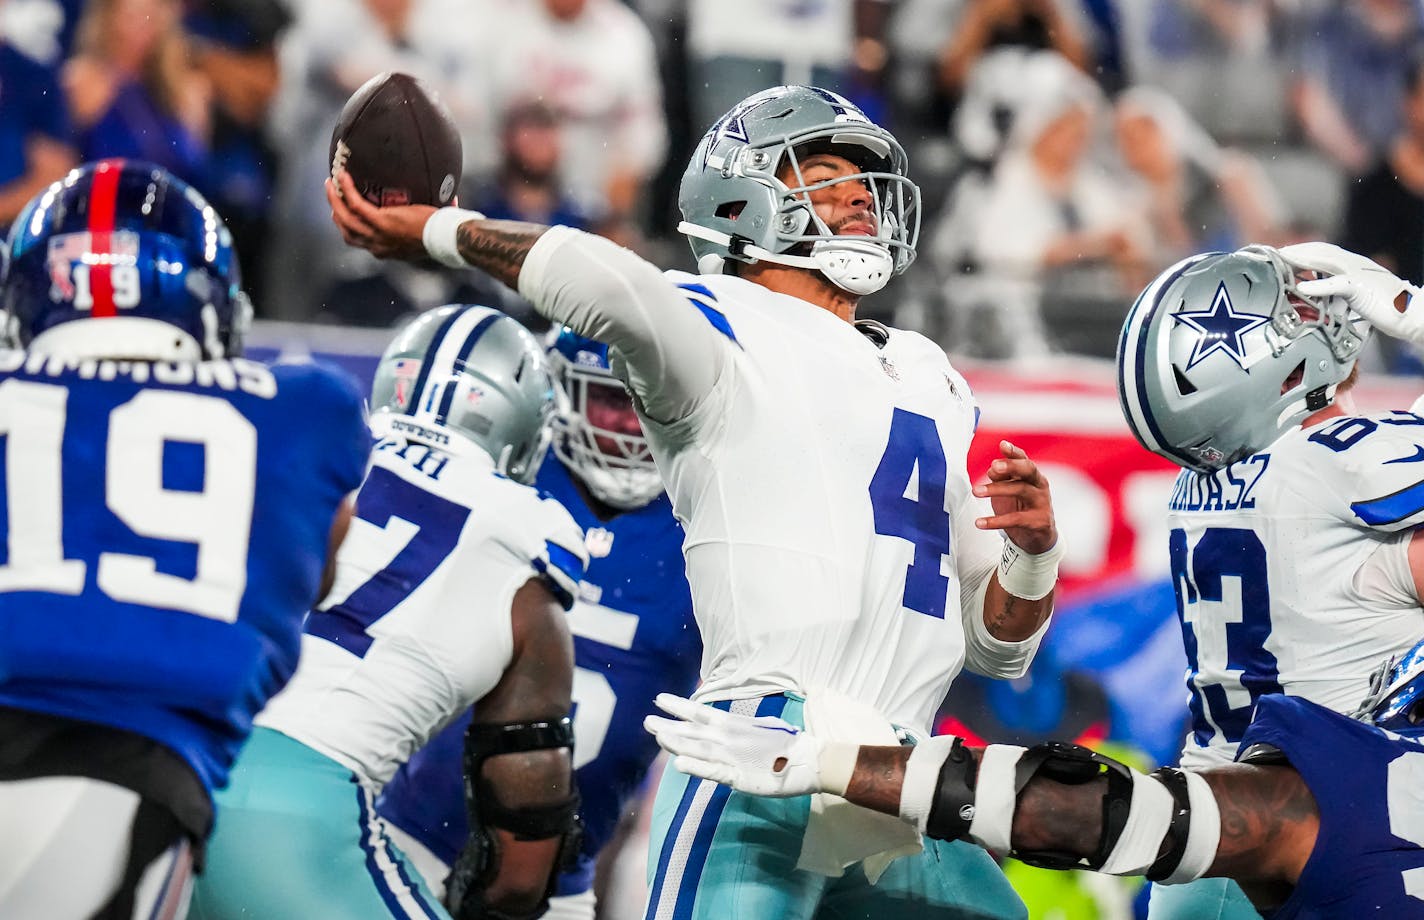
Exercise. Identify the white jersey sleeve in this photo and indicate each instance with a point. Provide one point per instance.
(1371, 470)
(664, 343)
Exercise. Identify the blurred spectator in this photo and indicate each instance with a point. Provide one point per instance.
(131, 91)
(1046, 207)
(835, 44)
(592, 62)
(1197, 195)
(1352, 63)
(527, 185)
(36, 139)
(42, 30)
(1210, 28)
(331, 49)
(1384, 215)
(233, 44)
(988, 24)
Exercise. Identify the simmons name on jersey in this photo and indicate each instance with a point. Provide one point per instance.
(165, 524)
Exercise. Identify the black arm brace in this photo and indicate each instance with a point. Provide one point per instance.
(479, 860)
(1070, 764)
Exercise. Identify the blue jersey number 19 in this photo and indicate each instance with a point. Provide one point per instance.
(141, 432)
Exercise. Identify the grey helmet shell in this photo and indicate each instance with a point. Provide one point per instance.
(735, 208)
(1208, 356)
(463, 374)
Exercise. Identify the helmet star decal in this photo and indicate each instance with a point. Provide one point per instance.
(1221, 328)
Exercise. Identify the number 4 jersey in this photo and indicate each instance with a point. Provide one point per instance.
(1291, 572)
(166, 528)
(829, 518)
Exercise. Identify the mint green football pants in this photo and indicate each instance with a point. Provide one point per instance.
(716, 854)
(297, 836)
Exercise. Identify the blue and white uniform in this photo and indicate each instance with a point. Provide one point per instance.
(416, 628)
(634, 637)
(1368, 785)
(1292, 576)
(167, 527)
(830, 547)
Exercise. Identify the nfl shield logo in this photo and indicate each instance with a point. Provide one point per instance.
(599, 542)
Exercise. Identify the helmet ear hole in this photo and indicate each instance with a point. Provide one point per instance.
(1184, 386)
(730, 210)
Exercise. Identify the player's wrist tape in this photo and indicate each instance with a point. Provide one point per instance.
(1028, 575)
(836, 763)
(917, 792)
(441, 237)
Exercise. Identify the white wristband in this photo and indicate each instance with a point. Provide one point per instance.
(917, 792)
(1026, 575)
(440, 235)
(836, 763)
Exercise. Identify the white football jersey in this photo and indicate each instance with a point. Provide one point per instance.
(417, 625)
(828, 512)
(1269, 562)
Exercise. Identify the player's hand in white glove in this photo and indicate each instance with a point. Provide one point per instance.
(762, 756)
(1365, 286)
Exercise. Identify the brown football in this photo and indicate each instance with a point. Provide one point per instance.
(397, 140)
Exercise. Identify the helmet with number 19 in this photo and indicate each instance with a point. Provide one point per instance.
(130, 244)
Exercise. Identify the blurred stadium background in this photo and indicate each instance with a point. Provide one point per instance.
(1067, 150)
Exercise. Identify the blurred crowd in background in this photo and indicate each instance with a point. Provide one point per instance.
(1067, 149)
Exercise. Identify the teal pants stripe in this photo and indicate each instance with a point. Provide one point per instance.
(739, 860)
(297, 837)
(1204, 899)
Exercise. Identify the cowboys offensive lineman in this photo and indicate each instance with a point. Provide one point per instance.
(447, 593)
(838, 568)
(1292, 523)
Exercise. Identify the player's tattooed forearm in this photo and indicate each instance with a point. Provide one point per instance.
(877, 778)
(1259, 805)
(498, 246)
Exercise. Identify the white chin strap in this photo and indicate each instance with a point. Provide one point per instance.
(858, 266)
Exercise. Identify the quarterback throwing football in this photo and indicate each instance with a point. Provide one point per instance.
(841, 573)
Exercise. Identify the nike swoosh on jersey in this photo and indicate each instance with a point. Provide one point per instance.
(1412, 458)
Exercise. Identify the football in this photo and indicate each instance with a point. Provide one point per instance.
(397, 140)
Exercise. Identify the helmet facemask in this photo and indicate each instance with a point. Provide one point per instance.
(735, 199)
(616, 465)
(1222, 354)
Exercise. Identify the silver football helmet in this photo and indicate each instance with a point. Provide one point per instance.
(1221, 355)
(596, 433)
(462, 373)
(734, 206)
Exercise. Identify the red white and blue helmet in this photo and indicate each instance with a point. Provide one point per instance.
(617, 466)
(128, 243)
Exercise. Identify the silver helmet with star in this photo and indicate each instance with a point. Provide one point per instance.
(1222, 354)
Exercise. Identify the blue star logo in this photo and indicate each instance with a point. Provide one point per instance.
(1221, 328)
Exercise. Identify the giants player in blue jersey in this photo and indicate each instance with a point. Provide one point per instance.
(1320, 818)
(450, 591)
(634, 635)
(167, 510)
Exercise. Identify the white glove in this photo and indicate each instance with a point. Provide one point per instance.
(1365, 286)
(761, 756)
